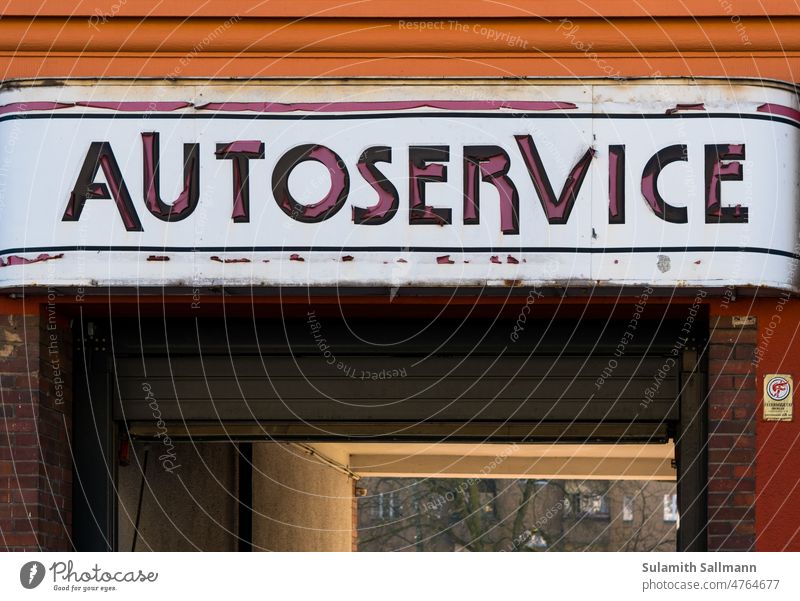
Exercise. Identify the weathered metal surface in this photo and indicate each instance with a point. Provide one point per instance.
(399, 183)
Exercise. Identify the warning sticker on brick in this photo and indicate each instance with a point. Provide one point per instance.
(778, 397)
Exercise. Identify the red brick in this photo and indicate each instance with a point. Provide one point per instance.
(720, 412)
(744, 382)
(734, 335)
(731, 441)
(26, 453)
(18, 425)
(26, 467)
(26, 497)
(727, 500)
(732, 366)
(38, 440)
(721, 382)
(731, 485)
(17, 482)
(721, 470)
(731, 426)
(721, 351)
(19, 540)
(744, 527)
(738, 397)
(716, 527)
(731, 456)
(730, 543)
(26, 410)
(26, 439)
(732, 513)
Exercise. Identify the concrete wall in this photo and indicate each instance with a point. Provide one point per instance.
(193, 507)
(299, 503)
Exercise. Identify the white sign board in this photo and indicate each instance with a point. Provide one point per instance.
(399, 183)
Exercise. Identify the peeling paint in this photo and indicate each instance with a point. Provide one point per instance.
(347, 258)
(219, 260)
(140, 106)
(512, 260)
(17, 260)
(697, 106)
(444, 260)
(663, 263)
(23, 107)
(779, 109)
(158, 258)
(388, 105)
(495, 259)
(296, 257)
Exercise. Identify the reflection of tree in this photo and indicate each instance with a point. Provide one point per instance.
(645, 536)
(451, 514)
(509, 515)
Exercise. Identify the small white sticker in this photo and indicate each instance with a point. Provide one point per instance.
(778, 397)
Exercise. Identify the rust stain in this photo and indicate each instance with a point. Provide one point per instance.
(402, 261)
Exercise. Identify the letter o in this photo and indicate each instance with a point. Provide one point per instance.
(335, 198)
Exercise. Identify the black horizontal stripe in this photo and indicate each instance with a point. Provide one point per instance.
(402, 115)
(410, 249)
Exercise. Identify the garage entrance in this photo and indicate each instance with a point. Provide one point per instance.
(267, 426)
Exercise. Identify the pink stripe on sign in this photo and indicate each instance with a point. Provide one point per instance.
(393, 105)
(779, 109)
(23, 107)
(136, 106)
(314, 107)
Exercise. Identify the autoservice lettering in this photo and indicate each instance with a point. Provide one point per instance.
(426, 165)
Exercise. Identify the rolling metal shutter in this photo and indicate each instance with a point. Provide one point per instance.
(464, 373)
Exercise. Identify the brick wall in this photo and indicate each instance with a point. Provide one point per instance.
(731, 435)
(35, 415)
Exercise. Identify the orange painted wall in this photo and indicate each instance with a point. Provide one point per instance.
(308, 38)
